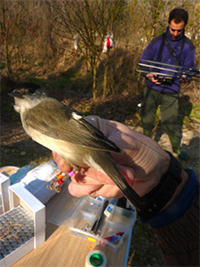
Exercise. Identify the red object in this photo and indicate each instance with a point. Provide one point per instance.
(60, 181)
(108, 42)
(59, 177)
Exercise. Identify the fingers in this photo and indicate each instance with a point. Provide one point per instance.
(62, 164)
(91, 176)
(89, 181)
(109, 191)
(153, 78)
(183, 79)
(150, 76)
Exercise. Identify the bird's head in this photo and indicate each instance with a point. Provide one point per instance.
(27, 95)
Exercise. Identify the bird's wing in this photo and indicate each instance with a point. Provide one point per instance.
(59, 121)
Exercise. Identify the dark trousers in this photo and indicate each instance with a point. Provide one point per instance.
(178, 240)
(168, 111)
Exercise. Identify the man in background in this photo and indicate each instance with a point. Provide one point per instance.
(174, 48)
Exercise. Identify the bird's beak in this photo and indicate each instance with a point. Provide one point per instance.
(16, 94)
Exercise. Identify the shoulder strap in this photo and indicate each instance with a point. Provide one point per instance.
(171, 50)
(183, 42)
(161, 47)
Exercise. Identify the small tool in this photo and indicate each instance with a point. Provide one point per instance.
(100, 219)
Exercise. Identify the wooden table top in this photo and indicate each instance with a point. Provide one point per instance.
(64, 249)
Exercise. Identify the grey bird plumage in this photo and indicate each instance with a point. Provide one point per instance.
(63, 130)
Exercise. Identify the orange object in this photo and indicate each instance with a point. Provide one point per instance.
(60, 176)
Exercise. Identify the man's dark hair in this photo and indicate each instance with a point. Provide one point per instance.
(178, 14)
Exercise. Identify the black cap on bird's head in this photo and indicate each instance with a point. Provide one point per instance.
(28, 95)
(22, 90)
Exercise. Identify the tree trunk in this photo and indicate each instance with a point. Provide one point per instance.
(5, 35)
(94, 87)
(105, 76)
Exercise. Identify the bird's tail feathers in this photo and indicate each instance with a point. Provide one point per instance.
(111, 170)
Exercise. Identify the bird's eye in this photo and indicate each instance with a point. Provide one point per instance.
(32, 90)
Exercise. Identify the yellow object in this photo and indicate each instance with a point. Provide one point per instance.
(91, 239)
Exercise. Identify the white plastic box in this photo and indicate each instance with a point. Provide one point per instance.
(5, 173)
(28, 209)
(4, 198)
(119, 221)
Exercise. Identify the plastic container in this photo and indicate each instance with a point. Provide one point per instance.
(114, 227)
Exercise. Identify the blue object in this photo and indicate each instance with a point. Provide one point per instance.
(20, 174)
(179, 206)
(153, 52)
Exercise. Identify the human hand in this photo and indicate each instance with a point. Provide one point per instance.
(141, 161)
(183, 79)
(153, 78)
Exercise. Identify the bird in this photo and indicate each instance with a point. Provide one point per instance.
(64, 130)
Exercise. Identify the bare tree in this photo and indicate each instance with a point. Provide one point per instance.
(36, 35)
(90, 21)
(5, 25)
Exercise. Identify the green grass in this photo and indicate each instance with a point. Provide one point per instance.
(195, 112)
